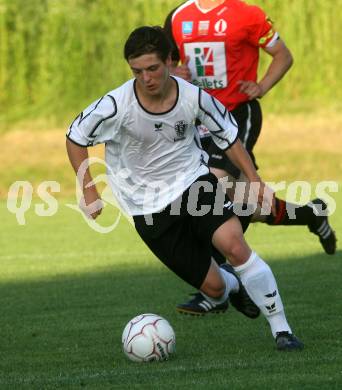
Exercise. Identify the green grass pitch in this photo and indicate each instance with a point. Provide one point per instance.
(66, 293)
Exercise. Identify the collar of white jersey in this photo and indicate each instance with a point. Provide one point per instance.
(156, 113)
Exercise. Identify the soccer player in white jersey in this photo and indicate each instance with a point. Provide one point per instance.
(158, 172)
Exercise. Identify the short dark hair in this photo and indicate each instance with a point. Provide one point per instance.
(147, 40)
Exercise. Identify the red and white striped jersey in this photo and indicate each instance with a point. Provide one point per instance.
(222, 44)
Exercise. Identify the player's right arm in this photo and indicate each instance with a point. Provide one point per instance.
(98, 123)
(91, 203)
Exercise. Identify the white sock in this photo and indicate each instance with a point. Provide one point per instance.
(259, 281)
(232, 284)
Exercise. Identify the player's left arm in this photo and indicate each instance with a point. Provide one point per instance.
(241, 159)
(282, 61)
(224, 131)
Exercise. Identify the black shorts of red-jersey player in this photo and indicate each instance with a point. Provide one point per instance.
(248, 116)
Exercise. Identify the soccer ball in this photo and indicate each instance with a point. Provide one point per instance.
(148, 337)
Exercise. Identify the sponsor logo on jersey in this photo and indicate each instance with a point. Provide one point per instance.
(203, 27)
(180, 128)
(187, 27)
(207, 64)
(220, 27)
(204, 58)
(158, 126)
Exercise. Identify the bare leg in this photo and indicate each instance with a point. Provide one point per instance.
(213, 285)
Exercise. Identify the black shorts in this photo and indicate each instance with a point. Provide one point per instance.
(183, 241)
(249, 119)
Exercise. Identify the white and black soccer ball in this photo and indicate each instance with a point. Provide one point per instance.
(148, 337)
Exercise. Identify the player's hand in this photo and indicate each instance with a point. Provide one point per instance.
(252, 89)
(91, 203)
(264, 196)
(266, 199)
(183, 70)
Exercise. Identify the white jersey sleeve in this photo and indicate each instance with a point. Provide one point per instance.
(219, 121)
(98, 123)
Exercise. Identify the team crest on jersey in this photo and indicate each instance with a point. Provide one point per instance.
(180, 128)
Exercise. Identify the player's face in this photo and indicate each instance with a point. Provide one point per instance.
(151, 73)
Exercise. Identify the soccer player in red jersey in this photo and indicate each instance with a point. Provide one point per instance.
(221, 40)
(217, 43)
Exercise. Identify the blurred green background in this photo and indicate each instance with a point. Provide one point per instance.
(62, 286)
(58, 56)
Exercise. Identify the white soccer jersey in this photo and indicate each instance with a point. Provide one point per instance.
(152, 158)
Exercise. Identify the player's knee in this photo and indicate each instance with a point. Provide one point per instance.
(228, 238)
(232, 245)
(238, 251)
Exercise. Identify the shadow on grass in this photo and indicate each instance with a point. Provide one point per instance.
(67, 330)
